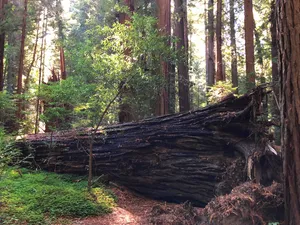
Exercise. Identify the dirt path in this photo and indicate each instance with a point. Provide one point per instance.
(137, 210)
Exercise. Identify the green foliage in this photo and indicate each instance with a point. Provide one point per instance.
(219, 91)
(8, 152)
(109, 56)
(7, 108)
(61, 99)
(33, 197)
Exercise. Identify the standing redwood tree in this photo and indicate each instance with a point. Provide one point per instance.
(210, 61)
(164, 24)
(181, 32)
(234, 71)
(2, 44)
(219, 74)
(249, 44)
(21, 62)
(288, 30)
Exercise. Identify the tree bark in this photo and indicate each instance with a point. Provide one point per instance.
(249, 44)
(288, 31)
(234, 71)
(164, 24)
(210, 73)
(192, 156)
(182, 48)
(21, 62)
(219, 74)
(2, 44)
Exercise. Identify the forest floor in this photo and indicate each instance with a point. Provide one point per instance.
(134, 209)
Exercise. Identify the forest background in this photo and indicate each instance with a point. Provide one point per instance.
(62, 62)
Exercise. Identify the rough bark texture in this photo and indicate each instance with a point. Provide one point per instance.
(192, 156)
(234, 72)
(210, 73)
(219, 62)
(249, 44)
(288, 30)
(164, 24)
(182, 47)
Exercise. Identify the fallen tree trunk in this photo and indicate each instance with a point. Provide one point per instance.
(192, 156)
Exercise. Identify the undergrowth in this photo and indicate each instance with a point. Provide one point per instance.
(35, 197)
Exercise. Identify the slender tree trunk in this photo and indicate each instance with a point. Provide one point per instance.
(61, 37)
(275, 77)
(164, 24)
(260, 61)
(2, 44)
(62, 64)
(249, 44)
(38, 107)
(219, 73)
(234, 72)
(21, 62)
(210, 73)
(26, 85)
(288, 31)
(182, 47)
(172, 88)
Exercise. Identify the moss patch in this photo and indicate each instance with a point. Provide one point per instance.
(36, 197)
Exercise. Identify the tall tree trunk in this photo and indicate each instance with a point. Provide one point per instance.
(288, 31)
(62, 63)
(219, 73)
(26, 85)
(164, 24)
(41, 57)
(234, 72)
(260, 61)
(275, 77)
(61, 37)
(210, 73)
(2, 44)
(249, 44)
(182, 47)
(126, 113)
(21, 62)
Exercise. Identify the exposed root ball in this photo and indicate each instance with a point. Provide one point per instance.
(247, 204)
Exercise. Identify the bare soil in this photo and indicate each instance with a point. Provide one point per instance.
(134, 209)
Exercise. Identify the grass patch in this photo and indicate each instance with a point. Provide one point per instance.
(36, 197)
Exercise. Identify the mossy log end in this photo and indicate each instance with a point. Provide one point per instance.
(192, 156)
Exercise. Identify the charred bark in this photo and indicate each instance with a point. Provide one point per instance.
(193, 156)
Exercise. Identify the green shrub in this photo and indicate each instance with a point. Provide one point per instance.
(7, 108)
(8, 152)
(40, 197)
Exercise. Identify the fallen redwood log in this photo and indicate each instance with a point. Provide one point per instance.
(192, 156)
